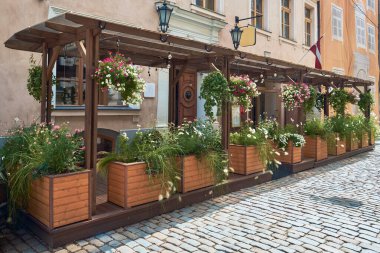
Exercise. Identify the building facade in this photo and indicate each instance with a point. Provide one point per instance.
(285, 31)
(350, 42)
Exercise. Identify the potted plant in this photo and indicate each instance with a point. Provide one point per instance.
(250, 151)
(142, 170)
(316, 132)
(116, 72)
(43, 177)
(336, 140)
(214, 90)
(289, 145)
(243, 89)
(373, 126)
(203, 162)
(354, 131)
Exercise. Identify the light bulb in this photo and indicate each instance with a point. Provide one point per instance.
(170, 56)
(168, 66)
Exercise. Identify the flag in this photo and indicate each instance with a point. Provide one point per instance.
(316, 49)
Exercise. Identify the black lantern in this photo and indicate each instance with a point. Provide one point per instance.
(164, 13)
(236, 36)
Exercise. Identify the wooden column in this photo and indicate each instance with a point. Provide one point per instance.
(44, 82)
(326, 108)
(49, 88)
(172, 95)
(226, 109)
(91, 100)
(368, 110)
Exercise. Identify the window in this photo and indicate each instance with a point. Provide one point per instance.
(207, 4)
(360, 32)
(285, 18)
(371, 5)
(371, 38)
(257, 10)
(307, 27)
(337, 23)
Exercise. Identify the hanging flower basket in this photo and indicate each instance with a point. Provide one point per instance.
(117, 72)
(243, 89)
(295, 95)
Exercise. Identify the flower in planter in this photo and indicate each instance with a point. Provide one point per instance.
(244, 90)
(117, 72)
(294, 95)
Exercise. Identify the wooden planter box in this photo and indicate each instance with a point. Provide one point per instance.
(352, 143)
(315, 147)
(129, 185)
(372, 138)
(291, 154)
(245, 160)
(364, 141)
(195, 174)
(61, 199)
(335, 146)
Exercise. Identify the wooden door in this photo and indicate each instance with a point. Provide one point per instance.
(187, 97)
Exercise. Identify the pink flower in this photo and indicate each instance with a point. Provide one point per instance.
(56, 127)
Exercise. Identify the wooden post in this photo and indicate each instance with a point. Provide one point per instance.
(368, 110)
(326, 108)
(226, 109)
(172, 95)
(91, 101)
(49, 88)
(44, 82)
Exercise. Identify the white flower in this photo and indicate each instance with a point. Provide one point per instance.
(16, 119)
(160, 197)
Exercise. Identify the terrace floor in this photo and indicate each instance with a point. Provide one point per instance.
(334, 208)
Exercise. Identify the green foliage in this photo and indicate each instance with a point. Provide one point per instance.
(35, 151)
(214, 90)
(269, 127)
(366, 101)
(357, 125)
(34, 80)
(310, 103)
(339, 98)
(283, 136)
(373, 125)
(338, 125)
(316, 127)
(320, 102)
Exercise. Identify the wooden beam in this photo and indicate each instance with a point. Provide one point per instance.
(81, 48)
(172, 96)
(61, 27)
(44, 82)
(54, 56)
(49, 87)
(357, 89)
(226, 109)
(180, 73)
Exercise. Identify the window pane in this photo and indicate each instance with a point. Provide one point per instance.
(199, 3)
(307, 13)
(285, 3)
(259, 23)
(210, 4)
(259, 6)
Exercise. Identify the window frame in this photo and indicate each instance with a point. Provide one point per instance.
(369, 7)
(254, 13)
(308, 21)
(361, 42)
(369, 27)
(287, 10)
(203, 5)
(337, 36)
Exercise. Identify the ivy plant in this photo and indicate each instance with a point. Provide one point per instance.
(366, 101)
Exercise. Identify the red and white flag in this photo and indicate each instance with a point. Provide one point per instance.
(316, 49)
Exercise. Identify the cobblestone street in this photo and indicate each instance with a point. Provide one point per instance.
(335, 208)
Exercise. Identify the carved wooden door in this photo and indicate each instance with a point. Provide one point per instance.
(187, 97)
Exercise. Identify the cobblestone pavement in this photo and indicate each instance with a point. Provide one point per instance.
(335, 208)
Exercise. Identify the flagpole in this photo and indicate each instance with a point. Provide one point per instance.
(309, 49)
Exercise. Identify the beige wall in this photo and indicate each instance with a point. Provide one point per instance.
(13, 72)
(341, 54)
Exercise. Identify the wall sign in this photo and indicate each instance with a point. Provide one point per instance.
(150, 90)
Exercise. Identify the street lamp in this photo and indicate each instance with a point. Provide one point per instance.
(236, 36)
(164, 13)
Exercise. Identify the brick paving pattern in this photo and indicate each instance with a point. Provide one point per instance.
(335, 208)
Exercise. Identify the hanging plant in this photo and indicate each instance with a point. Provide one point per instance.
(243, 89)
(117, 73)
(214, 90)
(366, 101)
(310, 103)
(339, 98)
(34, 79)
(294, 95)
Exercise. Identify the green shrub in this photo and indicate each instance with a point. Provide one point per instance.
(316, 127)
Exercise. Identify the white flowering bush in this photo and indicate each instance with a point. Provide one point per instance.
(117, 72)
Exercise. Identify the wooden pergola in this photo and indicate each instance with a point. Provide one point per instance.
(94, 36)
